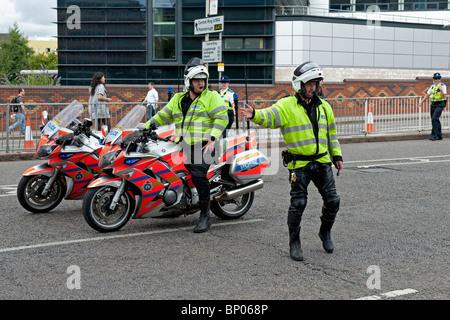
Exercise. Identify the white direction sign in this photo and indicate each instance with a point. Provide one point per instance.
(212, 51)
(208, 25)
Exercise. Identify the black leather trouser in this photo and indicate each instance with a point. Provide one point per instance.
(321, 175)
(198, 166)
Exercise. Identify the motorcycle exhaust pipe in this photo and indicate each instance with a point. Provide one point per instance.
(241, 190)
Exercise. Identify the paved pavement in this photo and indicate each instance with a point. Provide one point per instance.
(391, 243)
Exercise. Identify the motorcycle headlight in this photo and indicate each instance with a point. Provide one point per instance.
(46, 150)
(108, 159)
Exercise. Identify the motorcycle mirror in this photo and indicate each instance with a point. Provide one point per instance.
(64, 135)
(130, 135)
(105, 130)
(44, 117)
(141, 126)
(87, 122)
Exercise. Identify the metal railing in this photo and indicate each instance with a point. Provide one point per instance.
(387, 115)
(354, 116)
(15, 141)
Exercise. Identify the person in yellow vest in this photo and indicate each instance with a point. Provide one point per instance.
(309, 132)
(436, 93)
(227, 95)
(200, 117)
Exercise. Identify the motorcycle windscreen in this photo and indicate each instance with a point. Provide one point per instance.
(63, 118)
(130, 121)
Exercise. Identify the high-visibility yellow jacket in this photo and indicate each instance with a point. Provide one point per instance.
(224, 96)
(298, 131)
(206, 117)
(435, 94)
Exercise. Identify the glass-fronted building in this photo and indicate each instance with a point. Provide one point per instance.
(390, 5)
(136, 41)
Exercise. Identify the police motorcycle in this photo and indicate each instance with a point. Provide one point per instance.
(72, 150)
(146, 178)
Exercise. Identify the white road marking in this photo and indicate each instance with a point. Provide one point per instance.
(67, 242)
(398, 159)
(400, 163)
(8, 190)
(390, 294)
(410, 160)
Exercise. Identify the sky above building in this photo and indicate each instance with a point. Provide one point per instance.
(34, 17)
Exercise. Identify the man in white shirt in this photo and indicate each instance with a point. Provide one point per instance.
(151, 99)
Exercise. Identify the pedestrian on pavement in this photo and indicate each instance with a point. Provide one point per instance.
(151, 99)
(200, 117)
(20, 113)
(309, 132)
(436, 93)
(98, 108)
(227, 95)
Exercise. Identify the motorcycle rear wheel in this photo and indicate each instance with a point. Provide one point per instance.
(29, 193)
(234, 208)
(97, 213)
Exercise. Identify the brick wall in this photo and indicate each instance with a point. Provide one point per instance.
(134, 93)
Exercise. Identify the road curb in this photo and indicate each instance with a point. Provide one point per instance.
(17, 156)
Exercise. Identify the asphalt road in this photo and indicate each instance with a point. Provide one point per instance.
(391, 241)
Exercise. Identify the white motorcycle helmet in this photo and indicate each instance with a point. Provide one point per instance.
(306, 72)
(195, 69)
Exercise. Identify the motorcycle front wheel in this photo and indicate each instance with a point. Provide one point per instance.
(233, 208)
(29, 193)
(97, 211)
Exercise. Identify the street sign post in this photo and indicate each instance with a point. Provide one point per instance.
(208, 25)
(212, 51)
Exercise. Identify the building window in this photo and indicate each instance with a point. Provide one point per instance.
(164, 30)
(244, 43)
(389, 5)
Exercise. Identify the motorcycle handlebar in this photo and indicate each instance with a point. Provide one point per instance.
(94, 135)
(152, 135)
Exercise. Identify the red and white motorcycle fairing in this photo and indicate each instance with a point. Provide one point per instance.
(147, 178)
(72, 151)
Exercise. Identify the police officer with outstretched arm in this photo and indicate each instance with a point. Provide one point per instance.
(200, 117)
(309, 132)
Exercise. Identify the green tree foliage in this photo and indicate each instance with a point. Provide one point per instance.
(14, 54)
(43, 61)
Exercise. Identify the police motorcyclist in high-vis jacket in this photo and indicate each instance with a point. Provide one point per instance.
(200, 117)
(309, 131)
(436, 93)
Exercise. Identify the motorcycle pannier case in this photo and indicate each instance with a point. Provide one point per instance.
(248, 166)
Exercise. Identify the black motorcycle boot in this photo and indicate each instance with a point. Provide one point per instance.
(295, 248)
(204, 223)
(325, 234)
